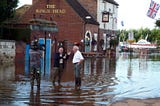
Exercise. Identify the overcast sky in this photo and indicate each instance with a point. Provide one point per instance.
(22, 2)
(132, 12)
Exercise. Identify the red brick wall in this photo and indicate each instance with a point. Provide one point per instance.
(70, 24)
(91, 6)
(20, 58)
(34, 1)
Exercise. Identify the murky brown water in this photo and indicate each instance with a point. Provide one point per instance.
(104, 81)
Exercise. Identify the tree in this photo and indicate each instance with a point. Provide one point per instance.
(158, 23)
(155, 35)
(152, 36)
(7, 9)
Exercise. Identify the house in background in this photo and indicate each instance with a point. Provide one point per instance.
(107, 12)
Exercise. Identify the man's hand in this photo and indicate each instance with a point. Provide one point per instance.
(68, 53)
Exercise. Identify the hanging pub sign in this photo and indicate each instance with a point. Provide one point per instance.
(105, 16)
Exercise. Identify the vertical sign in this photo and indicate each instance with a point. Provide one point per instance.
(48, 56)
(27, 59)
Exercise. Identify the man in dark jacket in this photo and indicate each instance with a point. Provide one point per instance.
(59, 60)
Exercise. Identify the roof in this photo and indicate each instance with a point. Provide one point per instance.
(142, 41)
(19, 12)
(82, 12)
(112, 2)
(23, 8)
(77, 7)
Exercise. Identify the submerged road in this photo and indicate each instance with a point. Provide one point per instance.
(104, 82)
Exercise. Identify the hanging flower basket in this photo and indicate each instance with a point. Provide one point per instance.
(101, 43)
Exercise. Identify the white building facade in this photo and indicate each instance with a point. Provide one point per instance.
(107, 13)
(106, 6)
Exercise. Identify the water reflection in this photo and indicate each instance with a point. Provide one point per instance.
(7, 72)
(130, 69)
(7, 75)
(87, 67)
(104, 81)
(142, 77)
(143, 62)
(35, 98)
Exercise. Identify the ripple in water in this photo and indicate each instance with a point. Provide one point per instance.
(104, 81)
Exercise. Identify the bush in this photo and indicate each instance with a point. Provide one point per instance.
(17, 34)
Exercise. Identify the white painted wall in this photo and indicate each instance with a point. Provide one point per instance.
(113, 9)
(7, 49)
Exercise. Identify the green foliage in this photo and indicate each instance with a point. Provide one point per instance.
(18, 34)
(122, 35)
(153, 35)
(7, 9)
(158, 23)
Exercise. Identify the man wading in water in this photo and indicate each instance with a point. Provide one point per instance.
(59, 59)
(77, 61)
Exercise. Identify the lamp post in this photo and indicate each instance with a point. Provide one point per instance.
(45, 26)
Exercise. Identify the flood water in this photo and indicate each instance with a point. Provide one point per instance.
(104, 81)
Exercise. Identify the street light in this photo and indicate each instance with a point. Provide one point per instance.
(88, 17)
(46, 26)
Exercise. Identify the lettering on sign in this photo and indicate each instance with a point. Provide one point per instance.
(51, 9)
(51, 6)
(43, 11)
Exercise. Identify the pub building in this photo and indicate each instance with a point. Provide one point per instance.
(74, 23)
(90, 23)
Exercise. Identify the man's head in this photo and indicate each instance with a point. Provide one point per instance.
(75, 48)
(60, 50)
